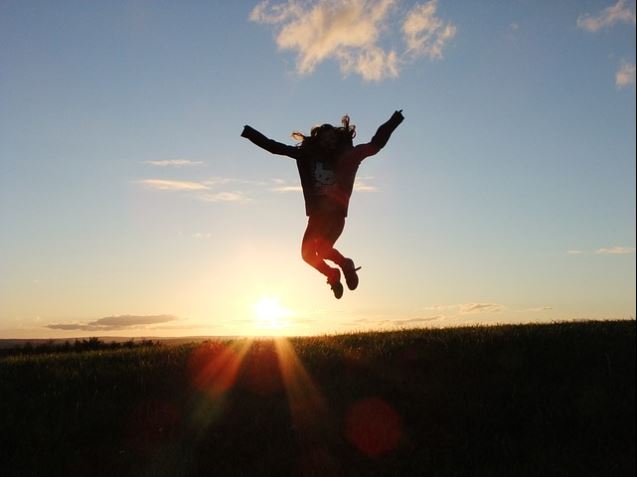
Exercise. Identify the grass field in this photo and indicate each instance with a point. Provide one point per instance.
(509, 400)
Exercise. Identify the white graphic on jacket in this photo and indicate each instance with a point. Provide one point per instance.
(323, 179)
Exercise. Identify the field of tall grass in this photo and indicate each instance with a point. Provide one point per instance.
(554, 399)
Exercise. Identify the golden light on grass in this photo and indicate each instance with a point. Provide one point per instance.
(307, 405)
(214, 369)
(309, 412)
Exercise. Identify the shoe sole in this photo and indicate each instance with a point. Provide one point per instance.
(351, 277)
(337, 288)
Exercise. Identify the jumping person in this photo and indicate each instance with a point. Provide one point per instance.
(327, 162)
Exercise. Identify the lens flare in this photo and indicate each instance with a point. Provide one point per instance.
(373, 426)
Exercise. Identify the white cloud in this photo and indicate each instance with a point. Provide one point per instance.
(349, 32)
(622, 11)
(264, 13)
(625, 76)
(615, 250)
(373, 63)
(426, 34)
(574, 252)
(174, 162)
(163, 184)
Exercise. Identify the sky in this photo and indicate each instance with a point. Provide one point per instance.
(131, 206)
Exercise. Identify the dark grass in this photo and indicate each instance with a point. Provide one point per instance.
(509, 400)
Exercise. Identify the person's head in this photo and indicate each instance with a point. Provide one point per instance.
(329, 138)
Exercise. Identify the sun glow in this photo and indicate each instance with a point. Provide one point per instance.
(270, 315)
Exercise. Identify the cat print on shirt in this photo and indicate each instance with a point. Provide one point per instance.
(324, 178)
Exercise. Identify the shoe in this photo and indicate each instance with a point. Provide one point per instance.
(335, 283)
(351, 278)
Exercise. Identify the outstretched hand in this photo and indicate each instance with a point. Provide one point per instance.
(398, 115)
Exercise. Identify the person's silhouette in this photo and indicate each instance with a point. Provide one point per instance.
(327, 162)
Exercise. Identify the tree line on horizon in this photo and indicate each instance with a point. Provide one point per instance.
(78, 345)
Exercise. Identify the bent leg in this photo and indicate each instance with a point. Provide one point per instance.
(313, 242)
(318, 244)
(332, 231)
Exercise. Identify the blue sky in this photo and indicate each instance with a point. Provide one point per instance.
(130, 205)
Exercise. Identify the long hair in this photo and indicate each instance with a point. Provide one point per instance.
(345, 133)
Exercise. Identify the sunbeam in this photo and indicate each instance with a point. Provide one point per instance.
(213, 370)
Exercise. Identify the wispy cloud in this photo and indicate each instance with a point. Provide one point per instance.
(441, 307)
(463, 308)
(220, 181)
(281, 185)
(418, 321)
(625, 76)
(120, 322)
(349, 32)
(616, 250)
(622, 12)
(225, 189)
(455, 311)
(360, 185)
(174, 163)
(481, 308)
(287, 188)
(363, 185)
(425, 33)
(368, 321)
(164, 184)
(223, 197)
(206, 191)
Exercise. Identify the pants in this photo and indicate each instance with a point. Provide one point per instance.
(322, 232)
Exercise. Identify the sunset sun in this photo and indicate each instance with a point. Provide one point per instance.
(270, 315)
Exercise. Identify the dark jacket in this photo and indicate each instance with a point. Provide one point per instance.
(329, 196)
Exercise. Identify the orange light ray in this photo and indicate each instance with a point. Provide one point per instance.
(214, 368)
(307, 404)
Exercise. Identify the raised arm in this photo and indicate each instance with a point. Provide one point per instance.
(384, 131)
(269, 144)
(381, 137)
